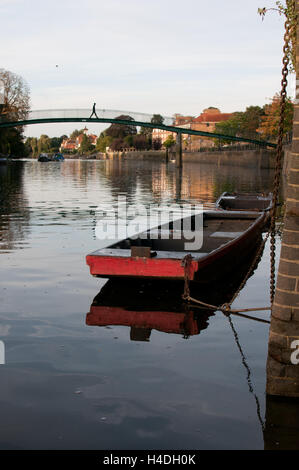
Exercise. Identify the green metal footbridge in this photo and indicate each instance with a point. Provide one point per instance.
(109, 116)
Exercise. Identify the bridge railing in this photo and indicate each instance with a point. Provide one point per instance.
(101, 114)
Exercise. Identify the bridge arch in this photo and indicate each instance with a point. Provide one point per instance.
(110, 116)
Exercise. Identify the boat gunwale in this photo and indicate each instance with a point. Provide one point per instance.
(217, 253)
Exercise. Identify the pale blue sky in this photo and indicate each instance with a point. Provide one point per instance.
(152, 56)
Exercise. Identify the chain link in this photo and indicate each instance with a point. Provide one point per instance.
(279, 154)
(186, 262)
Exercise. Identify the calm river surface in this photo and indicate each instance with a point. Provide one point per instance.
(69, 383)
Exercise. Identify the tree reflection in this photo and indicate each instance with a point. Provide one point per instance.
(13, 206)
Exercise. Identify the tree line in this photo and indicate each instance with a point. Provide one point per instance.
(120, 136)
(257, 122)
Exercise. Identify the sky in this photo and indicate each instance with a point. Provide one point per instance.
(151, 56)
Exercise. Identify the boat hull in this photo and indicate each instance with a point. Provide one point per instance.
(112, 263)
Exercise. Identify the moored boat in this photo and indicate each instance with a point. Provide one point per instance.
(43, 157)
(244, 201)
(146, 305)
(227, 238)
(58, 157)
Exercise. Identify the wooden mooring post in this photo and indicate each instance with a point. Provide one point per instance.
(283, 347)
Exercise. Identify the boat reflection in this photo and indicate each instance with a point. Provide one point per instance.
(145, 307)
(157, 305)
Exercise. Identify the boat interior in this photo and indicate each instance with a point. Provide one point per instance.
(252, 202)
(219, 228)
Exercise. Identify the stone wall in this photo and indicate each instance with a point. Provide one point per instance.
(247, 158)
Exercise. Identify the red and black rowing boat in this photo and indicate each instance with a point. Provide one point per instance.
(228, 236)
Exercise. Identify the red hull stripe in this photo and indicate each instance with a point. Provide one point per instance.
(142, 267)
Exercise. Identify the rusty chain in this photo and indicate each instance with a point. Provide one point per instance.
(279, 153)
(186, 262)
(225, 308)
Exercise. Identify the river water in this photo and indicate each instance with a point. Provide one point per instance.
(69, 382)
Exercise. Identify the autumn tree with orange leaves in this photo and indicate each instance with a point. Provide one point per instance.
(268, 128)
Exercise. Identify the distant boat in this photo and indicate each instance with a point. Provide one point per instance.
(43, 157)
(3, 160)
(58, 157)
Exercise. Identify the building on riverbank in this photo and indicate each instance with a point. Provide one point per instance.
(206, 122)
(71, 144)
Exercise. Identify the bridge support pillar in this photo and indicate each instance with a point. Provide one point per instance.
(178, 150)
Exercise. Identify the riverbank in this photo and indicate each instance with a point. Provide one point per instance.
(256, 158)
(249, 158)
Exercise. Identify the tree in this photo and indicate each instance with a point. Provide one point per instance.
(14, 106)
(141, 142)
(55, 143)
(269, 122)
(16, 97)
(31, 145)
(85, 145)
(157, 144)
(250, 121)
(129, 141)
(120, 131)
(229, 128)
(169, 142)
(147, 131)
(76, 133)
(242, 124)
(117, 144)
(157, 119)
(103, 142)
(43, 144)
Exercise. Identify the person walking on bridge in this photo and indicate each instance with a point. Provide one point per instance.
(94, 111)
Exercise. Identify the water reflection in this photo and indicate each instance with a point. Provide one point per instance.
(147, 305)
(14, 213)
(144, 307)
(164, 393)
(282, 424)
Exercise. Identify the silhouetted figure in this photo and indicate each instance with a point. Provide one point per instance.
(94, 111)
